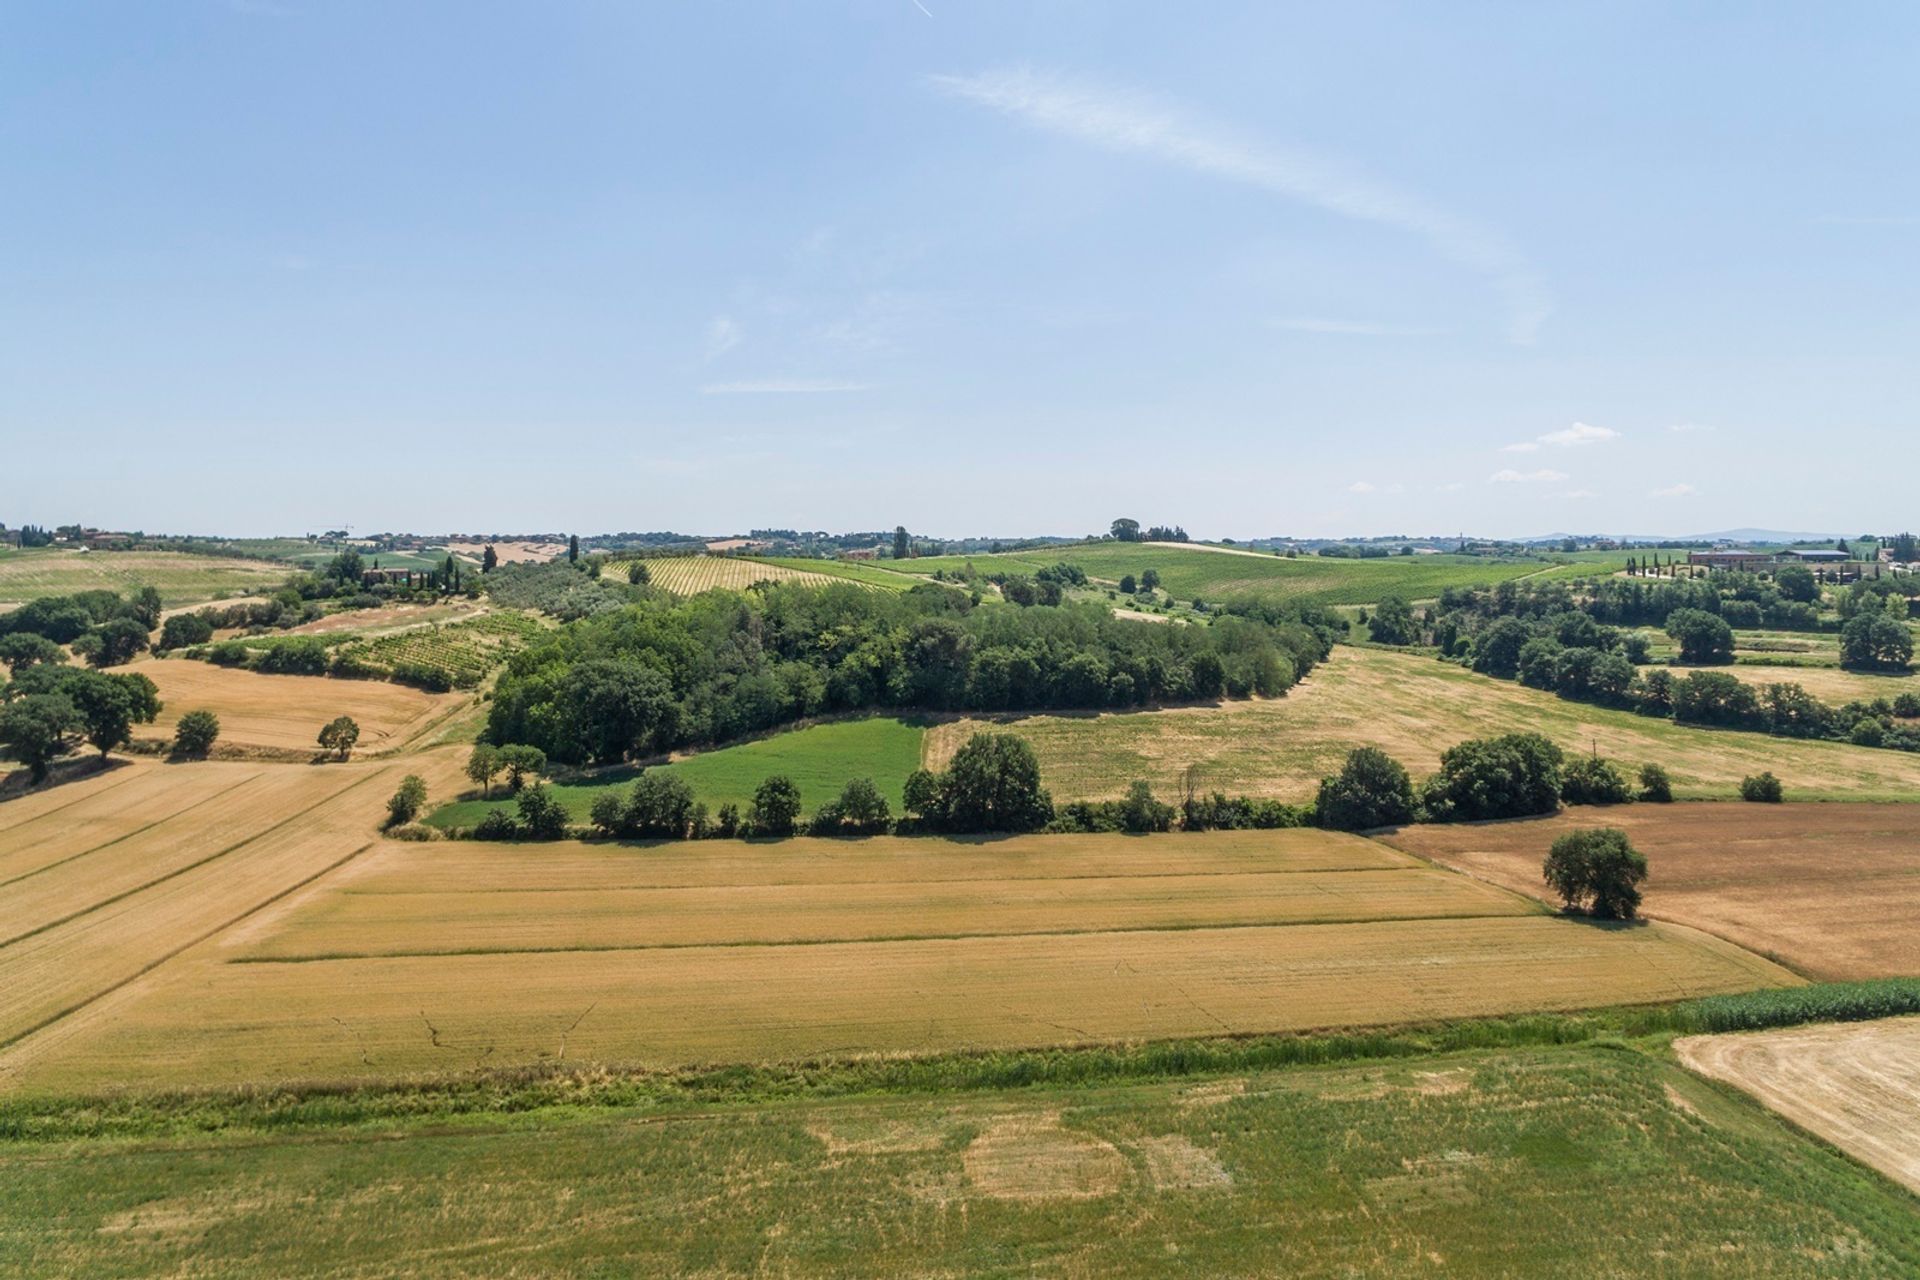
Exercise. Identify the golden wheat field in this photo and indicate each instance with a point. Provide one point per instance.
(1412, 707)
(284, 713)
(726, 952)
(105, 878)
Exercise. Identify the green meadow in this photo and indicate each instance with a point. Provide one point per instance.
(821, 759)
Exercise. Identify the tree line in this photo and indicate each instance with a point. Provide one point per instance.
(659, 673)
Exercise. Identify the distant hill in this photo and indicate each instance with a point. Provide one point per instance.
(1722, 535)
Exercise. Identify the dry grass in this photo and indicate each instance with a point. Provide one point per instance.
(1830, 889)
(285, 713)
(1829, 684)
(176, 575)
(1413, 708)
(1855, 1084)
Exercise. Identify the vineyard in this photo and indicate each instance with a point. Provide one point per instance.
(455, 656)
(690, 575)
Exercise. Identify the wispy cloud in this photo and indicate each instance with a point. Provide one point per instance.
(1691, 426)
(1572, 437)
(723, 335)
(1544, 475)
(1576, 495)
(1451, 487)
(1122, 122)
(1675, 491)
(1360, 486)
(1368, 486)
(782, 386)
(1352, 328)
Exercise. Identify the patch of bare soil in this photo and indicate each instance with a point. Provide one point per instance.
(1031, 1156)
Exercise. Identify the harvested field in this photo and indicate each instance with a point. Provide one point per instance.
(1855, 1084)
(86, 913)
(510, 552)
(1412, 707)
(179, 577)
(285, 713)
(728, 951)
(405, 902)
(1829, 684)
(1832, 890)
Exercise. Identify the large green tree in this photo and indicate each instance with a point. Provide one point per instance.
(1511, 776)
(1597, 871)
(993, 784)
(34, 728)
(1703, 637)
(1371, 790)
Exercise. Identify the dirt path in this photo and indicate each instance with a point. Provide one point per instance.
(1855, 1084)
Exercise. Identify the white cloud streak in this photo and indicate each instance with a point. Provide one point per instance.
(1351, 328)
(1545, 475)
(782, 386)
(1121, 122)
(1675, 491)
(1360, 486)
(1688, 427)
(1572, 437)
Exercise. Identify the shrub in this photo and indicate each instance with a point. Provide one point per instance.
(229, 653)
(726, 823)
(608, 813)
(1140, 812)
(1593, 780)
(776, 807)
(405, 804)
(1512, 776)
(1598, 871)
(1655, 786)
(1371, 790)
(1713, 697)
(541, 816)
(859, 810)
(184, 629)
(300, 656)
(196, 732)
(1762, 788)
(497, 824)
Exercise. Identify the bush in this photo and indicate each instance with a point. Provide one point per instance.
(497, 824)
(859, 810)
(1762, 788)
(1702, 636)
(1597, 871)
(660, 807)
(405, 804)
(541, 816)
(299, 656)
(1655, 786)
(196, 732)
(1513, 776)
(184, 629)
(776, 807)
(1593, 780)
(1371, 790)
(726, 823)
(1140, 813)
(229, 653)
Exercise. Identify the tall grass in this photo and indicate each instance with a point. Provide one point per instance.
(315, 1104)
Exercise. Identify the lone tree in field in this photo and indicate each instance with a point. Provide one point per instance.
(1371, 790)
(993, 784)
(1703, 636)
(405, 804)
(519, 760)
(195, 734)
(339, 735)
(776, 807)
(902, 547)
(1761, 788)
(489, 559)
(638, 574)
(573, 549)
(1598, 872)
(482, 766)
(1125, 530)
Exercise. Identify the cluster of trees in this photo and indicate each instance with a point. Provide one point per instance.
(103, 627)
(46, 703)
(1126, 530)
(663, 673)
(566, 589)
(33, 535)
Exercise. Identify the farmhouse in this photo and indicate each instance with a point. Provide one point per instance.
(1815, 555)
(1747, 561)
(861, 553)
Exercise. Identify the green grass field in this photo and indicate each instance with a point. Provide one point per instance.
(1214, 574)
(869, 574)
(1567, 1161)
(821, 759)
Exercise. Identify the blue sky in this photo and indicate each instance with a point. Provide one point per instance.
(272, 265)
